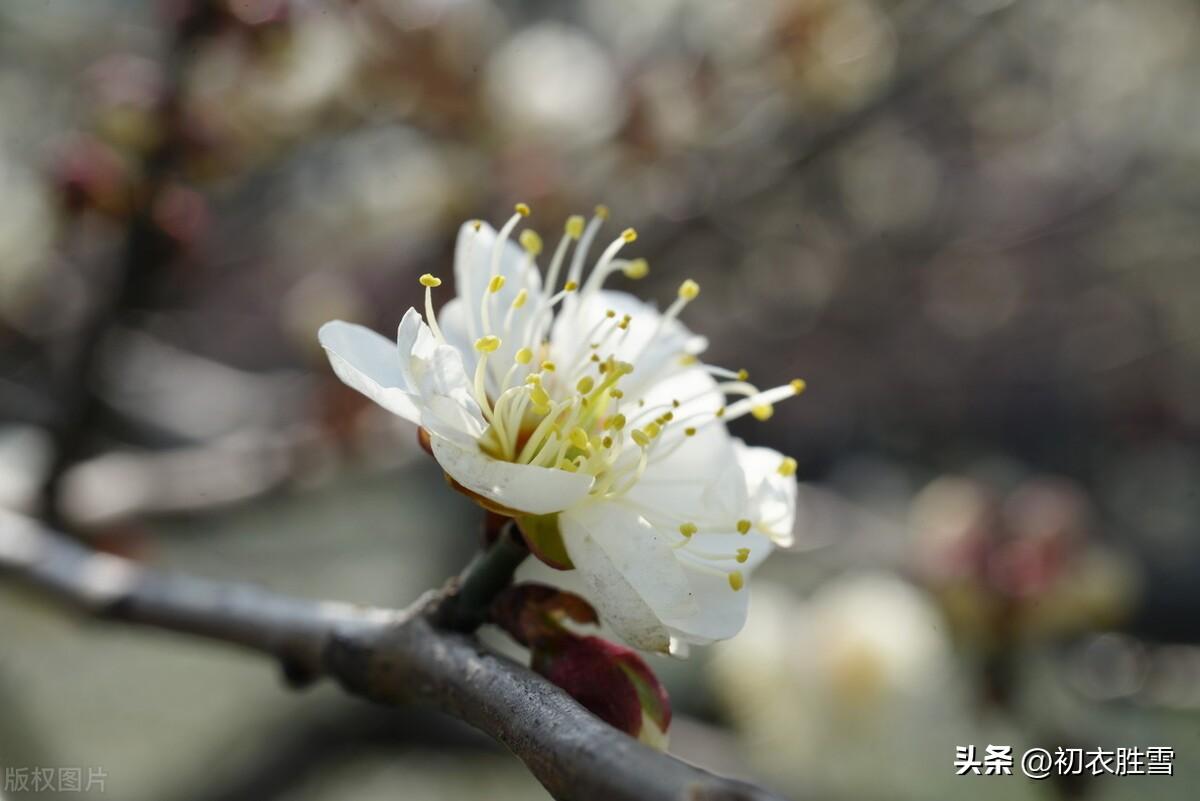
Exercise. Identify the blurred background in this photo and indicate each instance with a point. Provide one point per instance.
(968, 224)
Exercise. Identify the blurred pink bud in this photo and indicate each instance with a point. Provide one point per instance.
(182, 213)
(89, 174)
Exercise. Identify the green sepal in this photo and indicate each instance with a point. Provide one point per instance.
(545, 541)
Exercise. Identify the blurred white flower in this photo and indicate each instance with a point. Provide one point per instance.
(310, 69)
(821, 688)
(596, 428)
(552, 83)
(359, 197)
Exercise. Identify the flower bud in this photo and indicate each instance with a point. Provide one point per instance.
(609, 680)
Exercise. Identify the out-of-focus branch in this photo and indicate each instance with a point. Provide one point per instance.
(388, 656)
(145, 253)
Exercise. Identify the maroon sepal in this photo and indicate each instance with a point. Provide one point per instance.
(610, 680)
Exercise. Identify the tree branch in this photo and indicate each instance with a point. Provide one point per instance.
(388, 656)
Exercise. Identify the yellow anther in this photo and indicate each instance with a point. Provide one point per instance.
(652, 429)
(721, 412)
(522, 209)
(585, 384)
(548, 367)
(533, 378)
(736, 581)
(743, 526)
(610, 313)
(579, 438)
(520, 299)
(787, 467)
(688, 529)
(496, 284)
(629, 235)
(667, 417)
(574, 226)
(524, 356)
(742, 555)
(595, 357)
(798, 385)
(762, 412)
(638, 268)
(624, 324)
(570, 286)
(675, 404)
(617, 421)
(689, 289)
(687, 360)
(487, 344)
(476, 224)
(607, 442)
(690, 431)
(430, 280)
(602, 212)
(743, 374)
(539, 396)
(530, 240)
(640, 438)
(616, 393)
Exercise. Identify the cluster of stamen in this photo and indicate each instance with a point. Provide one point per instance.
(572, 414)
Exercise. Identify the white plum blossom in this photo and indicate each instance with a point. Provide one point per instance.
(585, 415)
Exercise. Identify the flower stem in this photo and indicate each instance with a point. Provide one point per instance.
(466, 606)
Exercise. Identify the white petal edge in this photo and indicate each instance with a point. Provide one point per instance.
(773, 496)
(722, 610)
(641, 553)
(368, 362)
(619, 605)
(521, 487)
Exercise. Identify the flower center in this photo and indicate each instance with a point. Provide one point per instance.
(573, 413)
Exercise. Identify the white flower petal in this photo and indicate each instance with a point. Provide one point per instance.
(452, 319)
(700, 481)
(619, 605)
(368, 362)
(772, 496)
(641, 553)
(454, 418)
(472, 272)
(654, 353)
(434, 371)
(728, 542)
(693, 387)
(522, 487)
(722, 610)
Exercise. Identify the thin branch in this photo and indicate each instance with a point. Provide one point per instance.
(388, 656)
(466, 608)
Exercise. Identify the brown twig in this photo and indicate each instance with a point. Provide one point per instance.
(388, 656)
